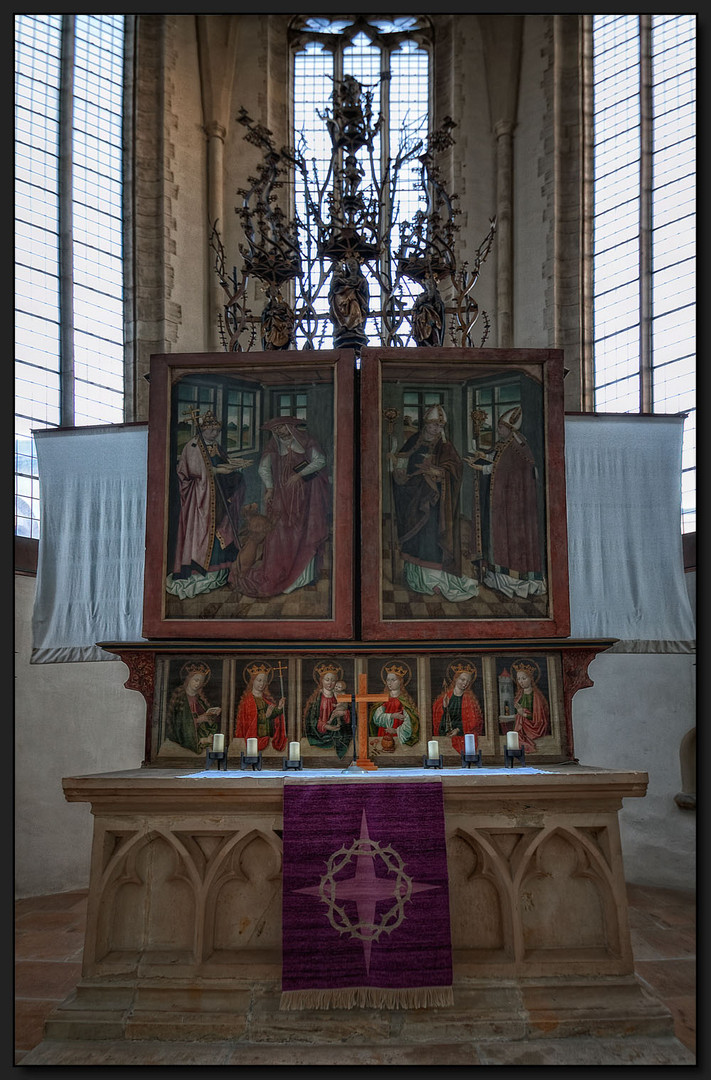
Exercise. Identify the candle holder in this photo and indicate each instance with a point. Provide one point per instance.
(255, 762)
(220, 756)
(292, 763)
(432, 763)
(511, 755)
(471, 759)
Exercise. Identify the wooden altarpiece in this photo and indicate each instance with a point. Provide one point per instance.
(183, 931)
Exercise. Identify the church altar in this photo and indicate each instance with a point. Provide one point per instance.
(184, 928)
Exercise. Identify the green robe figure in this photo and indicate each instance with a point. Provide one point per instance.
(191, 721)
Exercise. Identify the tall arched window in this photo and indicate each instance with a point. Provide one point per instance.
(644, 223)
(69, 358)
(390, 57)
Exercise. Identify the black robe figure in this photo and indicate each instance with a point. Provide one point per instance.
(428, 316)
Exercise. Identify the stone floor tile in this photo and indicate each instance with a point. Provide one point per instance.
(45, 979)
(29, 1022)
(674, 943)
(668, 978)
(55, 902)
(49, 944)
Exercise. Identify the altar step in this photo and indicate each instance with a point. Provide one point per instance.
(606, 1007)
(632, 1050)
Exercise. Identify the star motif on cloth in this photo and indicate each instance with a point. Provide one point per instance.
(366, 889)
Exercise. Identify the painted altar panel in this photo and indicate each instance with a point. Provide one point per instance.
(292, 694)
(462, 518)
(250, 496)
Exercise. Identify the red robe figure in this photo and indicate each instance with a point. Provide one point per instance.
(511, 537)
(457, 712)
(298, 506)
(530, 707)
(259, 716)
(396, 721)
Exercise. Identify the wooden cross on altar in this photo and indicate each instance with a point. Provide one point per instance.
(362, 698)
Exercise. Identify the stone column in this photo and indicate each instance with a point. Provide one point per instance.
(503, 130)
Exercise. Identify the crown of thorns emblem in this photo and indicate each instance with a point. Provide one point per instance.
(401, 890)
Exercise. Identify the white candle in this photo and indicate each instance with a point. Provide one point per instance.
(252, 747)
(470, 744)
(218, 742)
(512, 740)
(294, 751)
(432, 749)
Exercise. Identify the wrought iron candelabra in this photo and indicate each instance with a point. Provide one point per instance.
(311, 264)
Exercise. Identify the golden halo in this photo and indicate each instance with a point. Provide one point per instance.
(255, 669)
(399, 667)
(528, 665)
(457, 666)
(193, 667)
(328, 665)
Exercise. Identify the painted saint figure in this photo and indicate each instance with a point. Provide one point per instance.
(427, 479)
(211, 490)
(395, 721)
(511, 536)
(530, 706)
(327, 722)
(456, 712)
(259, 715)
(297, 505)
(190, 719)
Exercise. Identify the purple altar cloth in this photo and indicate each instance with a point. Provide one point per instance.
(365, 897)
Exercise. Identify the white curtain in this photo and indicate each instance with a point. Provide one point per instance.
(623, 477)
(626, 564)
(92, 541)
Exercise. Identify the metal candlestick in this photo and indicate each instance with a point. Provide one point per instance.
(511, 755)
(432, 763)
(255, 762)
(471, 759)
(291, 763)
(220, 756)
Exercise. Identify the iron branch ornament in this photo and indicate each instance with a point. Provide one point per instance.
(309, 263)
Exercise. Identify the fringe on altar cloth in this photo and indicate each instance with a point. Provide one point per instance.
(369, 997)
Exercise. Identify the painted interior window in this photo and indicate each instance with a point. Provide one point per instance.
(69, 325)
(644, 255)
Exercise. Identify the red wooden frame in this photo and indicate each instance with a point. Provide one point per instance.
(384, 372)
(284, 370)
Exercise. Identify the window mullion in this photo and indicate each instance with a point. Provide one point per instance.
(646, 403)
(66, 256)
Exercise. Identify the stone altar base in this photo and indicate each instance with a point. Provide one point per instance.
(183, 939)
(483, 1010)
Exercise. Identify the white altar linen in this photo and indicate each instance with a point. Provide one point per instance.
(352, 773)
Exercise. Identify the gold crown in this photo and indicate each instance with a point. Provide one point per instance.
(194, 667)
(322, 669)
(209, 420)
(401, 670)
(458, 668)
(258, 669)
(531, 669)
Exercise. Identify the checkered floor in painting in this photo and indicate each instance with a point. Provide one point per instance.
(399, 602)
(311, 602)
